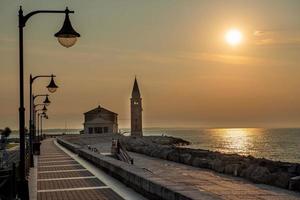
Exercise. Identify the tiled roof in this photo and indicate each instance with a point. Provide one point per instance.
(99, 109)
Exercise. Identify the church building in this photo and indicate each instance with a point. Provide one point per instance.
(136, 111)
(100, 120)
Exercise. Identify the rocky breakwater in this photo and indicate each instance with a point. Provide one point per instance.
(259, 170)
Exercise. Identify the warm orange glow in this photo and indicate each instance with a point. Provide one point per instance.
(238, 140)
(233, 37)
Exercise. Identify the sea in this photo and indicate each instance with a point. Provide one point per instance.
(280, 144)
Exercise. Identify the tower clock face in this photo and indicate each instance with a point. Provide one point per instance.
(135, 102)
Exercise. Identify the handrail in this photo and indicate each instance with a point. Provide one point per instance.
(122, 154)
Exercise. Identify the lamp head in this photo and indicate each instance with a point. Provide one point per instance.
(52, 87)
(44, 109)
(43, 113)
(67, 36)
(47, 101)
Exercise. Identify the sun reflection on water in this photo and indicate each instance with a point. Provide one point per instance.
(236, 140)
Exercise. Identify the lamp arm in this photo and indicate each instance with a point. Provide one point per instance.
(35, 77)
(23, 19)
(39, 95)
(38, 110)
(39, 104)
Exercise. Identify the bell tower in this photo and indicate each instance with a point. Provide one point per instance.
(136, 111)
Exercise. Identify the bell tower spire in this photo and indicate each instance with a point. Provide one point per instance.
(136, 110)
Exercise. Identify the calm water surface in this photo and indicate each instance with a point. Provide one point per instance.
(275, 144)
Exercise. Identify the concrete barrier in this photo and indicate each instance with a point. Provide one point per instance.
(72, 147)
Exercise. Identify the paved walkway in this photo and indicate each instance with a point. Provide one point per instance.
(60, 177)
(219, 185)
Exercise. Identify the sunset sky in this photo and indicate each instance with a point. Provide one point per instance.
(188, 74)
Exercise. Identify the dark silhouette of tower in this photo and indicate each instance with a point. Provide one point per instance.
(136, 111)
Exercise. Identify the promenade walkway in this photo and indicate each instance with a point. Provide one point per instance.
(60, 177)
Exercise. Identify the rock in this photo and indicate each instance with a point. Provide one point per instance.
(218, 165)
(281, 179)
(185, 158)
(233, 169)
(148, 150)
(256, 173)
(298, 170)
(165, 152)
(246, 172)
(292, 168)
(137, 149)
(294, 183)
(165, 140)
(155, 151)
(201, 153)
(260, 175)
(173, 156)
(201, 162)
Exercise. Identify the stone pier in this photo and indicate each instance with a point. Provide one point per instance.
(163, 179)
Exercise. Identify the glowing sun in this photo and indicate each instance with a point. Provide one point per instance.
(233, 37)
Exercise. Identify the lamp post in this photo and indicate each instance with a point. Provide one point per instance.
(67, 37)
(51, 88)
(44, 110)
(43, 115)
(39, 123)
(36, 142)
(46, 102)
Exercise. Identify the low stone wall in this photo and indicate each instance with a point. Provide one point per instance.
(72, 147)
(280, 174)
(143, 181)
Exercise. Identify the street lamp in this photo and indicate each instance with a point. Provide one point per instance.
(44, 109)
(43, 115)
(37, 139)
(52, 87)
(31, 124)
(67, 36)
(38, 129)
(35, 149)
(47, 101)
(39, 123)
(65, 32)
(41, 95)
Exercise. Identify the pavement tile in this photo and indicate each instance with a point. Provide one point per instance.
(69, 183)
(54, 168)
(95, 194)
(64, 174)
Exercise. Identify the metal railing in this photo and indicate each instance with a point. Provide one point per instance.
(120, 152)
